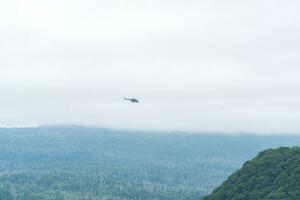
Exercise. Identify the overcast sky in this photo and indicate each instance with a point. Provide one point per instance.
(206, 65)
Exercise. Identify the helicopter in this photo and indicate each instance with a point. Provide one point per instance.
(132, 100)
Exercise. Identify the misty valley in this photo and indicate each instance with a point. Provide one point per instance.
(77, 163)
(149, 100)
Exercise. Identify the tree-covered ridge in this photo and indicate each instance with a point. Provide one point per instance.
(273, 175)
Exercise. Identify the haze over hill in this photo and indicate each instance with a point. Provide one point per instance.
(75, 163)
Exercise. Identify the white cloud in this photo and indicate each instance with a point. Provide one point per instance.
(196, 65)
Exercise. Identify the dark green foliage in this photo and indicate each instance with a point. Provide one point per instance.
(272, 175)
(76, 163)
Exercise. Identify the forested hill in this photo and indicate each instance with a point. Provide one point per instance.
(273, 175)
(80, 163)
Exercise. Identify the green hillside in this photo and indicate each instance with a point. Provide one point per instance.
(273, 175)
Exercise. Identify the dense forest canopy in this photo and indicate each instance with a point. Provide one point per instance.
(72, 163)
(272, 175)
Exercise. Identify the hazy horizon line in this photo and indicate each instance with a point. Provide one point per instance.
(147, 130)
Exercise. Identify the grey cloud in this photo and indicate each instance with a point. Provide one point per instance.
(213, 65)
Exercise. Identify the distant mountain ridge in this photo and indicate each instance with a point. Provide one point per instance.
(77, 163)
(273, 175)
